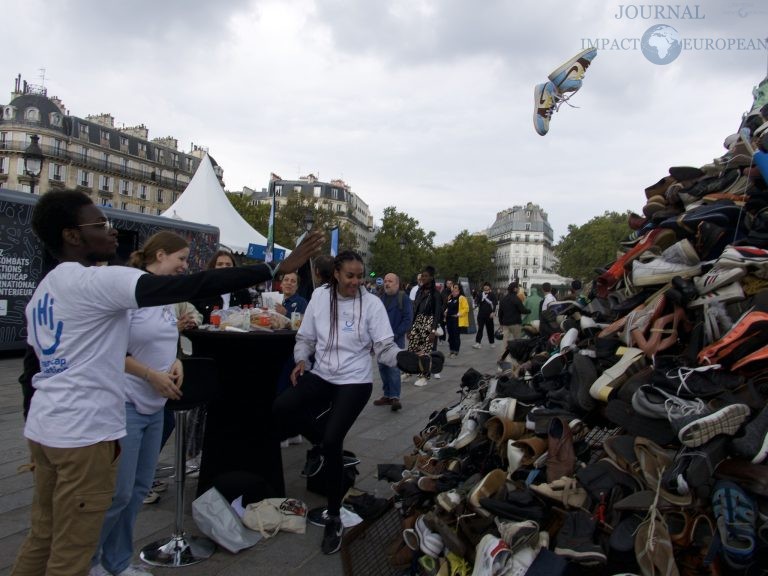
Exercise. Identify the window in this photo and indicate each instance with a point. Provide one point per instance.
(124, 141)
(59, 147)
(527, 227)
(4, 165)
(32, 115)
(105, 183)
(175, 159)
(297, 189)
(124, 165)
(159, 195)
(142, 209)
(4, 139)
(105, 136)
(279, 190)
(83, 131)
(84, 178)
(9, 112)
(125, 187)
(83, 153)
(56, 172)
(159, 155)
(55, 119)
(188, 164)
(317, 191)
(535, 261)
(525, 272)
(142, 150)
(105, 202)
(159, 211)
(527, 237)
(123, 205)
(143, 191)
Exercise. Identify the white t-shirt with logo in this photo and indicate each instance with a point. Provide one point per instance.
(78, 324)
(153, 341)
(347, 360)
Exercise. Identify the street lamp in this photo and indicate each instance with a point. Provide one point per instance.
(309, 220)
(33, 160)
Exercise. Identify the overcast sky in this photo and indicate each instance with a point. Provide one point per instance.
(422, 104)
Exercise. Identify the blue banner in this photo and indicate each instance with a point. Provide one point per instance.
(258, 252)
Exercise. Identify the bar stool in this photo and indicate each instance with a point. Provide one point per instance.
(200, 380)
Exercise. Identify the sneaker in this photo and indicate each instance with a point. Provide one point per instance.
(159, 486)
(421, 382)
(98, 570)
(152, 497)
(681, 252)
(660, 271)
(436, 375)
(696, 424)
(568, 77)
(730, 293)
(743, 256)
(383, 401)
(318, 516)
(457, 413)
(332, 535)
(545, 101)
(134, 571)
(491, 556)
(493, 344)
(631, 362)
(575, 539)
(754, 443)
(503, 408)
(313, 463)
(469, 431)
(487, 488)
(716, 278)
(395, 406)
(477, 345)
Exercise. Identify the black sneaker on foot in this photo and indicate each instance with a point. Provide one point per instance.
(314, 462)
(318, 516)
(334, 530)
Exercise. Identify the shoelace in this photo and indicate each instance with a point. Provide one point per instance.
(684, 372)
(684, 407)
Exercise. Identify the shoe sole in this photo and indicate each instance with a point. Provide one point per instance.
(615, 376)
(594, 557)
(573, 62)
(762, 453)
(727, 421)
(654, 279)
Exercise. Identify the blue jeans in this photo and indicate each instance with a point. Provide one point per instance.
(140, 451)
(390, 380)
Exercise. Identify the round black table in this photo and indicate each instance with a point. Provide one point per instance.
(239, 435)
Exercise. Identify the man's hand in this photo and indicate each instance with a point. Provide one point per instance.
(297, 371)
(308, 248)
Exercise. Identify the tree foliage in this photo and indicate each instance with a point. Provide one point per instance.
(467, 255)
(591, 245)
(408, 259)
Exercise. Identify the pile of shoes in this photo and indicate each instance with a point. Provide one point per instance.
(632, 433)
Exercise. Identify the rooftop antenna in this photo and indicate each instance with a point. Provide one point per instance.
(42, 76)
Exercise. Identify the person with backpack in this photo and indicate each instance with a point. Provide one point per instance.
(400, 311)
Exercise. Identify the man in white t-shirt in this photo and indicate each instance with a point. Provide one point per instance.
(549, 298)
(77, 323)
(415, 288)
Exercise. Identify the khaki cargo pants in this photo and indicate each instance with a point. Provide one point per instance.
(73, 490)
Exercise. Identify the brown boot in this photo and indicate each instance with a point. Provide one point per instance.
(561, 459)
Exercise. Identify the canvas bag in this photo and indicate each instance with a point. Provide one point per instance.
(271, 515)
(216, 519)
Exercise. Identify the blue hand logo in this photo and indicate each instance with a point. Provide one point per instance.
(43, 317)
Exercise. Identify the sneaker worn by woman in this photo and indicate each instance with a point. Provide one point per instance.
(332, 535)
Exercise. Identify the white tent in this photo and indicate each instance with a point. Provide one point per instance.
(204, 202)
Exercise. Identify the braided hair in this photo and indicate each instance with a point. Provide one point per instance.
(338, 262)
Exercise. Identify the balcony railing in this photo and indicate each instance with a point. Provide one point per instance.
(99, 165)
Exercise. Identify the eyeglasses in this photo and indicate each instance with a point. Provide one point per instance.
(105, 224)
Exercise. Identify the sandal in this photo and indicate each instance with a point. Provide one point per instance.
(565, 490)
(735, 514)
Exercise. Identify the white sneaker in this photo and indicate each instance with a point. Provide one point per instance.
(421, 382)
(151, 497)
(134, 571)
(98, 570)
(493, 345)
(477, 345)
(437, 375)
(284, 444)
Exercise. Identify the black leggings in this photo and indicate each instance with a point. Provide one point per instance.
(487, 323)
(295, 412)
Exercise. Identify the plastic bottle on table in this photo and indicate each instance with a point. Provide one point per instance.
(216, 317)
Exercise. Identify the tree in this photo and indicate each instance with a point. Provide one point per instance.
(387, 255)
(256, 216)
(467, 255)
(591, 245)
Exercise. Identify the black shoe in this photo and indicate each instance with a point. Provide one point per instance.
(314, 462)
(395, 405)
(334, 530)
(318, 516)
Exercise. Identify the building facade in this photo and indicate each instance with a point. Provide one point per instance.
(335, 195)
(118, 167)
(524, 242)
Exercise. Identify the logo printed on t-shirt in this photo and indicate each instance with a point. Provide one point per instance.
(43, 325)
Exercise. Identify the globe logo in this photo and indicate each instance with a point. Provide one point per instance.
(661, 44)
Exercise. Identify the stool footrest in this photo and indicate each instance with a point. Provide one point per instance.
(180, 550)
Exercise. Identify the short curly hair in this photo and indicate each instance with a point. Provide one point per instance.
(55, 211)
